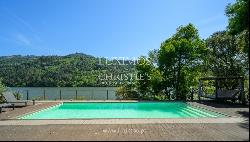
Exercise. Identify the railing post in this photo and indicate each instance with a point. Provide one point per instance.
(92, 97)
(107, 94)
(60, 94)
(76, 94)
(44, 97)
(27, 95)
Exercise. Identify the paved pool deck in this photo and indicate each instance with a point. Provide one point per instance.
(235, 127)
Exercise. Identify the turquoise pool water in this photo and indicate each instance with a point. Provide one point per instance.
(122, 110)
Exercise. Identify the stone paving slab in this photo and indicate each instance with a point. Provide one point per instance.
(235, 110)
(125, 121)
(127, 132)
(12, 114)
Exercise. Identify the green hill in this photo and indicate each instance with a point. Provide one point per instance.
(74, 70)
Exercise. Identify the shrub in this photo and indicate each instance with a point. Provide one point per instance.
(79, 98)
(126, 92)
(2, 89)
(17, 95)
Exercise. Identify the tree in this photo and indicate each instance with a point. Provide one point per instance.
(178, 57)
(127, 91)
(156, 82)
(153, 57)
(144, 68)
(238, 14)
(166, 60)
(225, 58)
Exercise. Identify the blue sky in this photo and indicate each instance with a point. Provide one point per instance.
(107, 28)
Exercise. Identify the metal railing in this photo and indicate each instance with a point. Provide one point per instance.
(66, 93)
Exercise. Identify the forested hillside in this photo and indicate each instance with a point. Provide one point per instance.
(73, 70)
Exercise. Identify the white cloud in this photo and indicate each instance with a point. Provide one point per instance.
(209, 25)
(212, 19)
(25, 26)
(22, 39)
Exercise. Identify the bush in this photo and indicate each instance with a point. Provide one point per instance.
(79, 98)
(126, 92)
(2, 89)
(17, 95)
(246, 90)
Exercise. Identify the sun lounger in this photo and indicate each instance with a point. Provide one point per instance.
(10, 98)
(6, 105)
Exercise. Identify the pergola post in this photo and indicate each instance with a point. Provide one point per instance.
(200, 89)
(216, 87)
(242, 95)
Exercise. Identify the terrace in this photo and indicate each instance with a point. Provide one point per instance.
(235, 127)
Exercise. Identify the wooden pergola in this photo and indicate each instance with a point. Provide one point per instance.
(217, 84)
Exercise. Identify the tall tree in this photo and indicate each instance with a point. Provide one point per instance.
(144, 68)
(178, 57)
(224, 56)
(238, 14)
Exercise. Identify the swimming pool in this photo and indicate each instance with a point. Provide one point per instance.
(122, 110)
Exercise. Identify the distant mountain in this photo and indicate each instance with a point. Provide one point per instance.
(63, 71)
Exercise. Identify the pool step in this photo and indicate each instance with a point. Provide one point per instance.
(191, 113)
(181, 112)
(200, 112)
